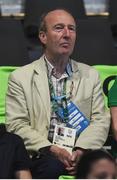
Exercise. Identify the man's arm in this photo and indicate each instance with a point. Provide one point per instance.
(17, 117)
(95, 135)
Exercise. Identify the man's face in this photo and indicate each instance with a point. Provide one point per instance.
(59, 39)
(102, 169)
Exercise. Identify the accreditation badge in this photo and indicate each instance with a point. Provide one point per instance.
(64, 137)
(75, 118)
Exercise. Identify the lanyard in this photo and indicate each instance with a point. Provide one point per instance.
(59, 101)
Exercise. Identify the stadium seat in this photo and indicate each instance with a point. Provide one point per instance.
(66, 177)
(107, 75)
(4, 73)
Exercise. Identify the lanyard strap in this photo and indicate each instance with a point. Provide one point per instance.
(59, 101)
(52, 90)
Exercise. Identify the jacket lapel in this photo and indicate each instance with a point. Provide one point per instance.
(74, 80)
(41, 83)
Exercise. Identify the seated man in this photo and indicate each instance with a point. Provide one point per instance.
(14, 160)
(57, 91)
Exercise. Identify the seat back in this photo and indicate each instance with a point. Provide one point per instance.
(4, 73)
(66, 177)
(107, 75)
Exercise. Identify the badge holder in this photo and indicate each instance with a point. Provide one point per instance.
(75, 118)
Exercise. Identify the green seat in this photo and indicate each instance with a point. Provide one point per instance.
(107, 75)
(66, 177)
(4, 73)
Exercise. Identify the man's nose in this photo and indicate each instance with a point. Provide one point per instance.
(66, 32)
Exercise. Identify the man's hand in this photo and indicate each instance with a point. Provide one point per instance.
(76, 155)
(62, 154)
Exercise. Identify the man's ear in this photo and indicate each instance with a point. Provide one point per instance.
(42, 37)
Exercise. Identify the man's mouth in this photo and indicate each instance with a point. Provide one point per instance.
(65, 44)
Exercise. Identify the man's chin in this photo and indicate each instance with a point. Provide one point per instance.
(66, 53)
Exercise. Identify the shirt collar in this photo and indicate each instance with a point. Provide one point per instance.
(68, 70)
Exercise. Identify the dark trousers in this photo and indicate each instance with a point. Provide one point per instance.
(47, 166)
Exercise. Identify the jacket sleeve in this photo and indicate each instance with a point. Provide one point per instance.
(18, 119)
(95, 135)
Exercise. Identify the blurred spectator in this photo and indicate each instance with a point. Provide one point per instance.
(14, 160)
(96, 164)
